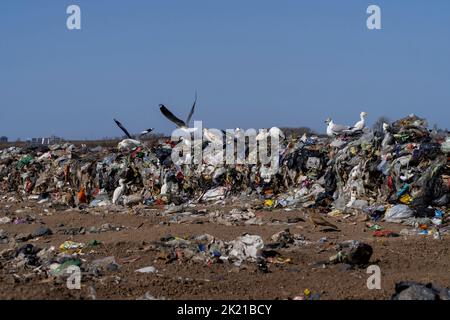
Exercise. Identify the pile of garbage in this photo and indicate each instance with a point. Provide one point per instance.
(55, 263)
(208, 249)
(399, 174)
(410, 290)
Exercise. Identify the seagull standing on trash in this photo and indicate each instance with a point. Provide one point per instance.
(334, 129)
(361, 123)
(119, 191)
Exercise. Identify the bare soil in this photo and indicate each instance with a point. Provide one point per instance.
(418, 258)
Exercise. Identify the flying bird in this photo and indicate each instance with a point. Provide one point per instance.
(123, 129)
(145, 132)
(180, 123)
(129, 136)
(361, 123)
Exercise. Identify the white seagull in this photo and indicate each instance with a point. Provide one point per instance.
(119, 191)
(128, 144)
(334, 129)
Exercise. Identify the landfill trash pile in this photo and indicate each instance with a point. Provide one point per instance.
(402, 173)
(353, 252)
(139, 226)
(207, 249)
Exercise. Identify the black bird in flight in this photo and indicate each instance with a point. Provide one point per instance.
(129, 136)
(180, 123)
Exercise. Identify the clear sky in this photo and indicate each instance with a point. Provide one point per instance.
(254, 63)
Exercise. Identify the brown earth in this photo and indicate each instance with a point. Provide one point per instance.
(418, 258)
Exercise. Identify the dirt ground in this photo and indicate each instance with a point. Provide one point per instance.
(417, 258)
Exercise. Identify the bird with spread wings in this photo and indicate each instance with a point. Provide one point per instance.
(180, 123)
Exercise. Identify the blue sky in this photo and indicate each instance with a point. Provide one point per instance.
(254, 63)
